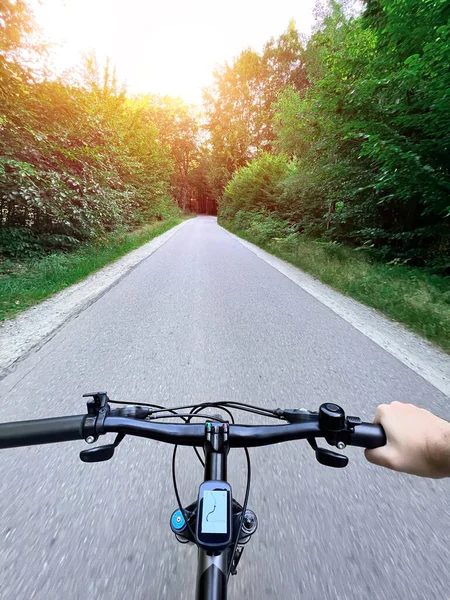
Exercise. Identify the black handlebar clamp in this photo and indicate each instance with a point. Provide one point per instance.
(98, 409)
(94, 425)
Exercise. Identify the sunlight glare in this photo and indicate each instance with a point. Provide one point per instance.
(167, 47)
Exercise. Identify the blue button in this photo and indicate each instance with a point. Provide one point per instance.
(177, 520)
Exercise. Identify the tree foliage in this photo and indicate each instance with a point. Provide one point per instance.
(78, 157)
(255, 187)
(344, 136)
(178, 129)
(369, 140)
(239, 104)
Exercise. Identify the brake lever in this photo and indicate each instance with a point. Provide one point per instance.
(328, 457)
(101, 453)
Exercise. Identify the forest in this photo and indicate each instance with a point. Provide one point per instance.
(349, 134)
(340, 139)
(78, 157)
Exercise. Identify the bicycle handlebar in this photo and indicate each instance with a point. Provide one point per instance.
(65, 429)
(366, 435)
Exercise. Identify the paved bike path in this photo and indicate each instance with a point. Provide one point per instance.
(204, 318)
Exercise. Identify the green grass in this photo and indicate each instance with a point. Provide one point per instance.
(34, 280)
(414, 297)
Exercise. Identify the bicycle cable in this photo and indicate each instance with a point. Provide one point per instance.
(244, 508)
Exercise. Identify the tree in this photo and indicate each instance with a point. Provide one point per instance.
(77, 159)
(203, 199)
(239, 104)
(369, 138)
(178, 130)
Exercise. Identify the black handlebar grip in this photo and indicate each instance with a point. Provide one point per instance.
(42, 431)
(367, 435)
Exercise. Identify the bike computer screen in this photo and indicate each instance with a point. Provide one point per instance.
(214, 515)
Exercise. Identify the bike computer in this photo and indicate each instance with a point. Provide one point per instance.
(214, 515)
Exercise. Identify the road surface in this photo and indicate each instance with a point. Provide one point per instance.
(203, 318)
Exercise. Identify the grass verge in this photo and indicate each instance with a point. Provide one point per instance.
(418, 299)
(37, 279)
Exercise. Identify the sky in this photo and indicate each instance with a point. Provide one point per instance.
(165, 46)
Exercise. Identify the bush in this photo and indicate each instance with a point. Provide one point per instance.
(261, 226)
(256, 186)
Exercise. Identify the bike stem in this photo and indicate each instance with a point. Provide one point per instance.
(212, 570)
(216, 451)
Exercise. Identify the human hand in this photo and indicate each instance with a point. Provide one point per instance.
(418, 442)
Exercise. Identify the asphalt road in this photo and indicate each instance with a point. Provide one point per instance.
(204, 318)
